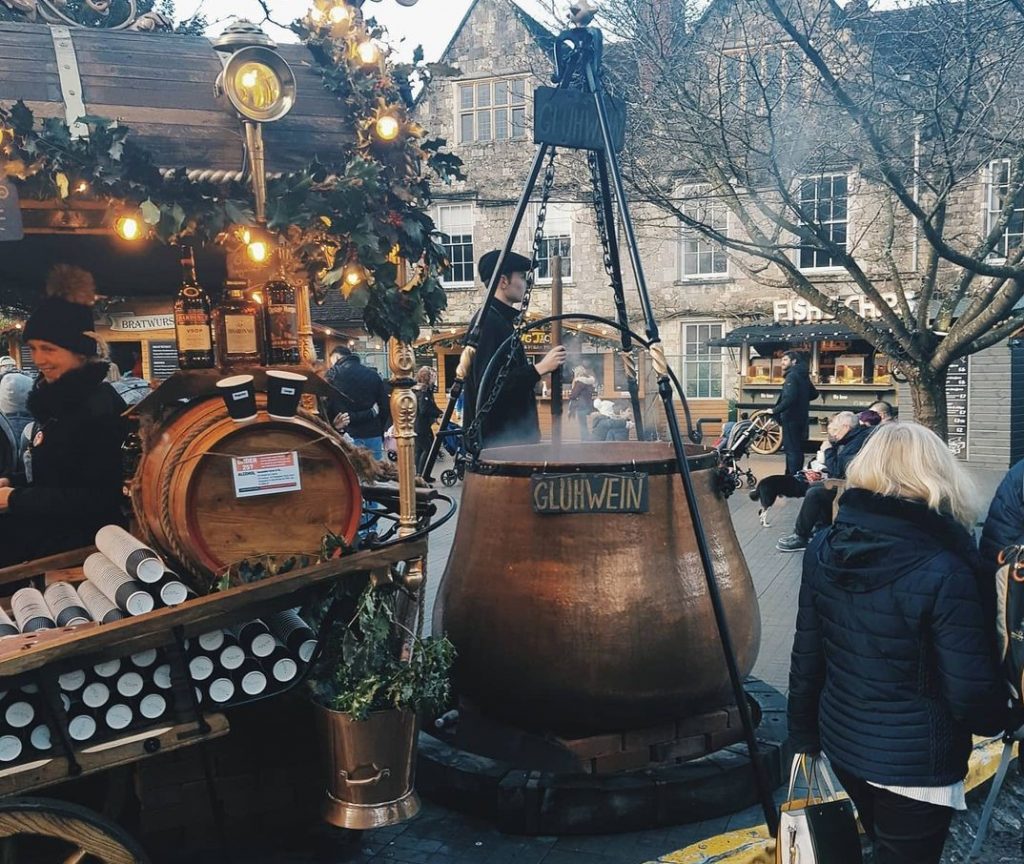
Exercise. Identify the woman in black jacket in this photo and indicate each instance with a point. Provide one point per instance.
(73, 472)
(892, 667)
(427, 414)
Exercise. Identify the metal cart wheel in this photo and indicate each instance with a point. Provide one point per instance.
(767, 438)
(449, 477)
(48, 831)
(751, 481)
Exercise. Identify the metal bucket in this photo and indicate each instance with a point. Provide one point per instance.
(574, 592)
(371, 764)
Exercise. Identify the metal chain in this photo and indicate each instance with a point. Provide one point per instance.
(473, 433)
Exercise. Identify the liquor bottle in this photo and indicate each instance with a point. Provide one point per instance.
(240, 330)
(282, 323)
(192, 318)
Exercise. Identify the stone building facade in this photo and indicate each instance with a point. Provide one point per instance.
(699, 293)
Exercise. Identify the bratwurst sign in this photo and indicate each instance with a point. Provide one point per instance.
(559, 494)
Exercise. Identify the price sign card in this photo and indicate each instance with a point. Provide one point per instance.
(266, 474)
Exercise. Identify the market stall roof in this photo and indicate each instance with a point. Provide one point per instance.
(452, 337)
(160, 85)
(774, 332)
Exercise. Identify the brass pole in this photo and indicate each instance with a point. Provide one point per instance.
(402, 363)
(556, 340)
(257, 168)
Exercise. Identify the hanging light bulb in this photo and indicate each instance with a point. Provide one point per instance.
(339, 13)
(128, 228)
(258, 250)
(388, 127)
(82, 187)
(368, 52)
(354, 274)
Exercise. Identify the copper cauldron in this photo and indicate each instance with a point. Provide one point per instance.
(576, 621)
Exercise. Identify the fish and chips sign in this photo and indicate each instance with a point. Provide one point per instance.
(562, 494)
(797, 310)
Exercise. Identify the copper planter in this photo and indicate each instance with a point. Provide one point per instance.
(587, 622)
(370, 764)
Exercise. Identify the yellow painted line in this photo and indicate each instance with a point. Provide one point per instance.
(755, 846)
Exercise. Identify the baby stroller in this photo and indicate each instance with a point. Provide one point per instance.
(733, 447)
(452, 441)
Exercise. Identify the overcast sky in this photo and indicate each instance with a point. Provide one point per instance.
(430, 22)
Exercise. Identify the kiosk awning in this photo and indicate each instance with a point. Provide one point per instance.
(772, 332)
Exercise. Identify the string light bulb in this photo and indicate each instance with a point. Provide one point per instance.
(368, 52)
(128, 228)
(258, 250)
(354, 275)
(387, 127)
(339, 13)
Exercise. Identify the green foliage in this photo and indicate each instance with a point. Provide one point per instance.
(368, 206)
(362, 668)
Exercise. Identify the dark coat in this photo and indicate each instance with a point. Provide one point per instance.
(1004, 525)
(77, 473)
(513, 417)
(892, 668)
(427, 413)
(792, 408)
(839, 456)
(362, 394)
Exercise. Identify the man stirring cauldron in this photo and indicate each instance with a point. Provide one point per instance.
(512, 419)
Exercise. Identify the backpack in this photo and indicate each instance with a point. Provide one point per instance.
(1010, 618)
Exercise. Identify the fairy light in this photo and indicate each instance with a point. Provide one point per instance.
(258, 250)
(368, 52)
(128, 228)
(387, 127)
(339, 14)
(354, 275)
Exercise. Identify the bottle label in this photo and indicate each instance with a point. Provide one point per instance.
(283, 325)
(240, 332)
(192, 331)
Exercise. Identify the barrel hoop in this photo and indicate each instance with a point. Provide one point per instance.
(166, 523)
(519, 469)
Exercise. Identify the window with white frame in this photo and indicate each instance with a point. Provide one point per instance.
(455, 222)
(998, 191)
(557, 241)
(698, 256)
(492, 110)
(823, 200)
(703, 364)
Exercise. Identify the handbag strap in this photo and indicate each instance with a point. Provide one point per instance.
(816, 770)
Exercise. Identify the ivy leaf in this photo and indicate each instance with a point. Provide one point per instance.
(22, 118)
(177, 217)
(150, 212)
(235, 213)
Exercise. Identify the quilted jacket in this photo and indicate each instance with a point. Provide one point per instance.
(1005, 523)
(892, 666)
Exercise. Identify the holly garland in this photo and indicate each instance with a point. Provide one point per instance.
(349, 222)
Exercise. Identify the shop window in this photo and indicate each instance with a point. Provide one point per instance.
(998, 192)
(455, 222)
(492, 110)
(823, 203)
(699, 257)
(557, 240)
(703, 364)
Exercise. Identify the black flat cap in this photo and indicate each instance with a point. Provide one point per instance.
(514, 263)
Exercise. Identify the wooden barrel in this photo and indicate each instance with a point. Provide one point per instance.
(185, 499)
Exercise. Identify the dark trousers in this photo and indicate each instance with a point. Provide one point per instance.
(903, 831)
(793, 446)
(815, 510)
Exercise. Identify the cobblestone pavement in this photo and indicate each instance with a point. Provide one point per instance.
(440, 836)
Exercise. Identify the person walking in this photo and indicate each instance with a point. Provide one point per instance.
(581, 398)
(846, 437)
(892, 668)
(512, 419)
(427, 414)
(15, 388)
(361, 403)
(74, 477)
(792, 409)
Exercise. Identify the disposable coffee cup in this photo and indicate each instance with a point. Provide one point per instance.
(171, 592)
(30, 610)
(239, 395)
(117, 585)
(129, 554)
(7, 626)
(65, 605)
(284, 390)
(152, 705)
(98, 604)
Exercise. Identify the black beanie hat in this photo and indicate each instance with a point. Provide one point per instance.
(65, 315)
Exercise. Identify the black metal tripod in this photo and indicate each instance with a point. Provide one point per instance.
(578, 55)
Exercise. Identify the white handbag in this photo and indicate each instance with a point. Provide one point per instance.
(816, 829)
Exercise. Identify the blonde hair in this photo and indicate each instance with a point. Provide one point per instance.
(907, 460)
(424, 375)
